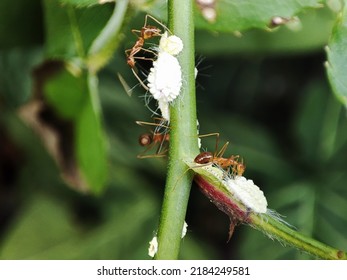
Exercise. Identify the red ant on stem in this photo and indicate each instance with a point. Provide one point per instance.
(217, 158)
(146, 32)
(149, 140)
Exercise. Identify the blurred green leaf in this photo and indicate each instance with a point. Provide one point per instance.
(91, 141)
(20, 23)
(42, 227)
(15, 74)
(67, 93)
(337, 63)
(70, 31)
(75, 98)
(83, 3)
(313, 34)
(241, 15)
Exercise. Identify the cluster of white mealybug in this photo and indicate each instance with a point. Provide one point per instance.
(244, 190)
(165, 77)
(248, 193)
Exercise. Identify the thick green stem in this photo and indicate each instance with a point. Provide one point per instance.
(183, 136)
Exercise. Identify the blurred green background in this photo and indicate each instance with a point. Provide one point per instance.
(265, 92)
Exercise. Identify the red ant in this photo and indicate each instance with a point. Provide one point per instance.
(146, 32)
(232, 162)
(154, 138)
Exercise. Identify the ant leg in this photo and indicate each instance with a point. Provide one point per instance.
(143, 154)
(124, 84)
(157, 21)
(209, 134)
(135, 32)
(212, 134)
(222, 150)
(151, 124)
(162, 144)
(139, 79)
(158, 152)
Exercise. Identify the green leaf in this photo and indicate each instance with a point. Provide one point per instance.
(66, 93)
(15, 74)
(240, 15)
(71, 31)
(75, 98)
(84, 3)
(337, 62)
(91, 141)
(312, 35)
(41, 228)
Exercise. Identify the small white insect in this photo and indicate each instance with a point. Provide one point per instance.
(248, 193)
(170, 44)
(184, 229)
(165, 78)
(153, 244)
(153, 247)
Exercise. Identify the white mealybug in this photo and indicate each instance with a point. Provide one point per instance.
(165, 78)
(184, 229)
(170, 44)
(153, 247)
(153, 244)
(248, 193)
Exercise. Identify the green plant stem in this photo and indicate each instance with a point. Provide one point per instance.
(107, 42)
(276, 229)
(183, 136)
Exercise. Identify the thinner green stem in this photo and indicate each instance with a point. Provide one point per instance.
(276, 229)
(107, 42)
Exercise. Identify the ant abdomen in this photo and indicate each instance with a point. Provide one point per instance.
(145, 139)
(204, 157)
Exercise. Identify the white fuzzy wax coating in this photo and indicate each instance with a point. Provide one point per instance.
(164, 108)
(165, 78)
(153, 247)
(248, 193)
(170, 44)
(184, 229)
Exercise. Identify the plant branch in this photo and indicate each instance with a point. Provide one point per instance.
(107, 42)
(183, 136)
(211, 183)
(276, 229)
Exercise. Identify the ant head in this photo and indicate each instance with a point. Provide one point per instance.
(145, 139)
(204, 157)
(240, 168)
(150, 31)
